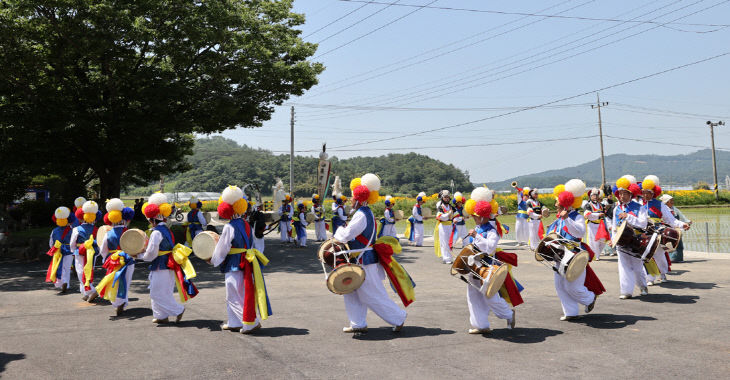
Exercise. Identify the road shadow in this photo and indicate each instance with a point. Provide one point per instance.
(677, 272)
(610, 321)
(523, 335)
(692, 261)
(386, 333)
(6, 358)
(210, 324)
(671, 298)
(674, 284)
(133, 314)
(274, 332)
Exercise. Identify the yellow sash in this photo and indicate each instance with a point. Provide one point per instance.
(180, 254)
(111, 293)
(254, 256)
(89, 266)
(56, 260)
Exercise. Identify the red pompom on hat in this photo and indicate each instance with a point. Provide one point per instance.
(151, 211)
(79, 214)
(566, 199)
(361, 193)
(106, 219)
(53, 218)
(225, 210)
(483, 209)
(657, 191)
(635, 189)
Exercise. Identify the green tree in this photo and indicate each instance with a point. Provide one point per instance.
(120, 87)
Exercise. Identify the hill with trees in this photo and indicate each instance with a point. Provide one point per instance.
(217, 162)
(678, 170)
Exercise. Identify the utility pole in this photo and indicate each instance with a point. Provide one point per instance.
(598, 105)
(714, 163)
(291, 157)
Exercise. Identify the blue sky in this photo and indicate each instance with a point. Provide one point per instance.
(437, 68)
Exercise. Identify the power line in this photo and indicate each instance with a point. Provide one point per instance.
(353, 24)
(372, 31)
(693, 115)
(383, 108)
(547, 103)
(340, 18)
(664, 142)
(720, 26)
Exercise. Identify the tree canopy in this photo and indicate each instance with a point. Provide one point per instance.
(118, 88)
(217, 162)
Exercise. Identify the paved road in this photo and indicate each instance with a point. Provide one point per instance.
(680, 330)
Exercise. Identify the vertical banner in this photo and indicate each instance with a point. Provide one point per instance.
(323, 173)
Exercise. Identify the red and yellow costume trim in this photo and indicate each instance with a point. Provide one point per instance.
(385, 247)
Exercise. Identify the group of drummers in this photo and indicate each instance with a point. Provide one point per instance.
(360, 254)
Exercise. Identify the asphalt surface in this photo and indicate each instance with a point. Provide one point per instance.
(680, 330)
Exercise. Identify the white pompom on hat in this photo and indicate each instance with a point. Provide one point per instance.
(62, 212)
(114, 204)
(653, 178)
(90, 207)
(631, 178)
(78, 202)
(481, 194)
(371, 181)
(576, 186)
(421, 194)
(157, 199)
(231, 194)
(193, 200)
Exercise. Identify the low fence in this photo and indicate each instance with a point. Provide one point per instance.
(707, 237)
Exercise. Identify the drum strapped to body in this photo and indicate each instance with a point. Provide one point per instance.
(426, 212)
(204, 244)
(545, 212)
(669, 236)
(471, 265)
(567, 257)
(345, 275)
(101, 234)
(133, 241)
(635, 241)
(310, 217)
(398, 214)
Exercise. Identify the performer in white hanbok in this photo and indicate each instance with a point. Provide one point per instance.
(299, 223)
(458, 230)
(320, 226)
(570, 225)
(83, 244)
(534, 224)
(241, 265)
(59, 270)
(442, 232)
(170, 266)
(286, 213)
(387, 227)
(595, 215)
(359, 234)
(339, 219)
(658, 213)
(119, 265)
(522, 231)
(414, 229)
(630, 268)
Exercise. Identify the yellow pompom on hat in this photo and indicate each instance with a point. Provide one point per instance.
(366, 188)
(60, 216)
(90, 209)
(114, 207)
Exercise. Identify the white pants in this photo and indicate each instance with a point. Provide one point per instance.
(596, 246)
(302, 240)
(258, 244)
(418, 233)
(573, 293)
(389, 230)
(522, 233)
(66, 262)
(460, 234)
(284, 228)
(119, 301)
(162, 288)
(444, 234)
(320, 231)
(480, 306)
(661, 261)
(533, 226)
(78, 263)
(234, 301)
(372, 295)
(630, 272)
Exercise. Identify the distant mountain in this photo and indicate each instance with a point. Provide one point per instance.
(217, 162)
(678, 170)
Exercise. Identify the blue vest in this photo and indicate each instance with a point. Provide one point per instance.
(84, 232)
(389, 214)
(654, 208)
(631, 208)
(460, 211)
(559, 227)
(57, 233)
(195, 227)
(368, 257)
(241, 239)
(160, 262)
(336, 221)
(112, 237)
(285, 209)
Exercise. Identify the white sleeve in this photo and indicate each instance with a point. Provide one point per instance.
(576, 227)
(416, 216)
(356, 226)
(669, 219)
(487, 244)
(639, 221)
(201, 219)
(153, 246)
(303, 219)
(104, 248)
(223, 246)
(291, 212)
(389, 216)
(51, 241)
(74, 237)
(341, 214)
